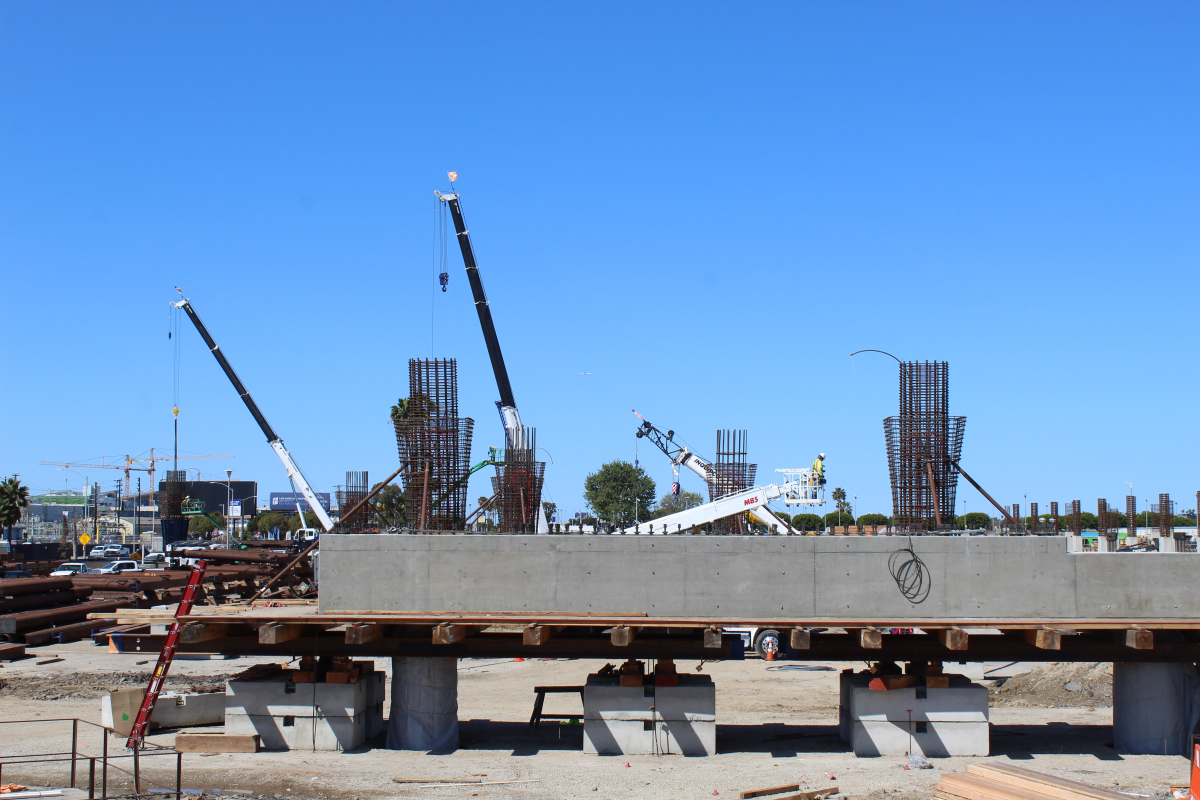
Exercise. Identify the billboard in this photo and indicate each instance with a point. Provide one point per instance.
(286, 501)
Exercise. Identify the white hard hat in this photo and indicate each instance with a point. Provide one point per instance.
(822, 455)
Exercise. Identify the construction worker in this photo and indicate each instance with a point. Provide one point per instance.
(819, 470)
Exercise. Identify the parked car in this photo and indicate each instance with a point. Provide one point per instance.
(69, 568)
(154, 561)
(116, 551)
(117, 567)
(98, 551)
(16, 573)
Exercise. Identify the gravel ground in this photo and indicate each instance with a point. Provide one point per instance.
(777, 726)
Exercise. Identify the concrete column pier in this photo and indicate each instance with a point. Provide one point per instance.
(424, 705)
(1155, 707)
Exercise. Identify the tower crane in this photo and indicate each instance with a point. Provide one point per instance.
(293, 471)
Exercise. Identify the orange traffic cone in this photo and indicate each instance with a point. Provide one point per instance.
(770, 655)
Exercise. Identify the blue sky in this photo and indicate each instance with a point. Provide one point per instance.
(706, 206)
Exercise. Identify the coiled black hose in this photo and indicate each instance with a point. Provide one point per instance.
(910, 573)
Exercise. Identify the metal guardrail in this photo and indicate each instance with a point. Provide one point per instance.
(105, 759)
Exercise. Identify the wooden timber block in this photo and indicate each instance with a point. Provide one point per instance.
(888, 682)
(279, 632)
(792, 787)
(815, 794)
(449, 634)
(623, 635)
(342, 677)
(801, 639)
(363, 633)
(539, 634)
(197, 632)
(953, 638)
(1044, 639)
(9, 652)
(712, 637)
(216, 743)
(301, 676)
(937, 681)
(870, 638)
(1137, 638)
(1020, 779)
(962, 786)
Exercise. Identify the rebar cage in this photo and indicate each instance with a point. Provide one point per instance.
(356, 489)
(923, 442)
(517, 485)
(436, 444)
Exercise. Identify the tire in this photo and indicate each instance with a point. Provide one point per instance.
(760, 643)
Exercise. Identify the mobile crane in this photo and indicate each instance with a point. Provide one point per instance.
(514, 432)
(293, 471)
(798, 489)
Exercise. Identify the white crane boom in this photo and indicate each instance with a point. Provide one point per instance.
(800, 490)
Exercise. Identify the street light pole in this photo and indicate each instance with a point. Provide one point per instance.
(229, 504)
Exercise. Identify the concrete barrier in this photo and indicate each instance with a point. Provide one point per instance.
(753, 577)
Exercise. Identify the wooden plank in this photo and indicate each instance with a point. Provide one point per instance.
(449, 634)
(197, 632)
(791, 787)
(937, 681)
(1044, 639)
(889, 682)
(623, 635)
(539, 634)
(953, 638)
(279, 632)
(363, 633)
(1137, 638)
(216, 743)
(975, 787)
(815, 794)
(870, 638)
(712, 637)
(801, 639)
(1029, 780)
(9, 652)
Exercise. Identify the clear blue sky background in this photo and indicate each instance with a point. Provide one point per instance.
(706, 206)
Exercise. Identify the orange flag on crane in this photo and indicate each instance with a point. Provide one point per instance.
(453, 176)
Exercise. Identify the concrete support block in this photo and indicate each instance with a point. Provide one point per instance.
(949, 721)
(1156, 706)
(649, 719)
(290, 732)
(279, 698)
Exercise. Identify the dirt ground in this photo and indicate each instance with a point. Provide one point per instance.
(777, 725)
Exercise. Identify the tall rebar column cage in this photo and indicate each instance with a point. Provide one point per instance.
(730, 474)
(435, 443)
(517, 485)
(923, 442)
(356, 489)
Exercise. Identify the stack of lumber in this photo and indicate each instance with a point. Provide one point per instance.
(999, 781)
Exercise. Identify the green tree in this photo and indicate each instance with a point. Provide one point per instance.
(14, 499)
(620, 492)
(974, 520)
(873, 519)
(389, 507)
(835, 518)
(419, 406)
(311, 520)
(670, 504)
(202, 524)
(265, 523)
(843, 505)
(806, 522)
(549, 508)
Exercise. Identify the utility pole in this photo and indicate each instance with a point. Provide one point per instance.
(96, 517)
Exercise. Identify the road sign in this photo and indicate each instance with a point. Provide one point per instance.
(84, 539)
(235, 508)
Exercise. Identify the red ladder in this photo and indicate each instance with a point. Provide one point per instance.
(140, 724)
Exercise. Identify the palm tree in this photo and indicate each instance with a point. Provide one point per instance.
(415, 407)
(839, 495)
(14, 498)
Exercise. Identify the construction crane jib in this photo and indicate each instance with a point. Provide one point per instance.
(289, 464)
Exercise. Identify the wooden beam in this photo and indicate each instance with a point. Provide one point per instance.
(1137, 638)
(1044, 639)
(870, 638)
(449, 634)
(538, 634)
(623, 635)
(712, 636)
(801, 639)
(363, 633)
(279, 632)
(953, 638)
(197, 632)
(216, 743)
